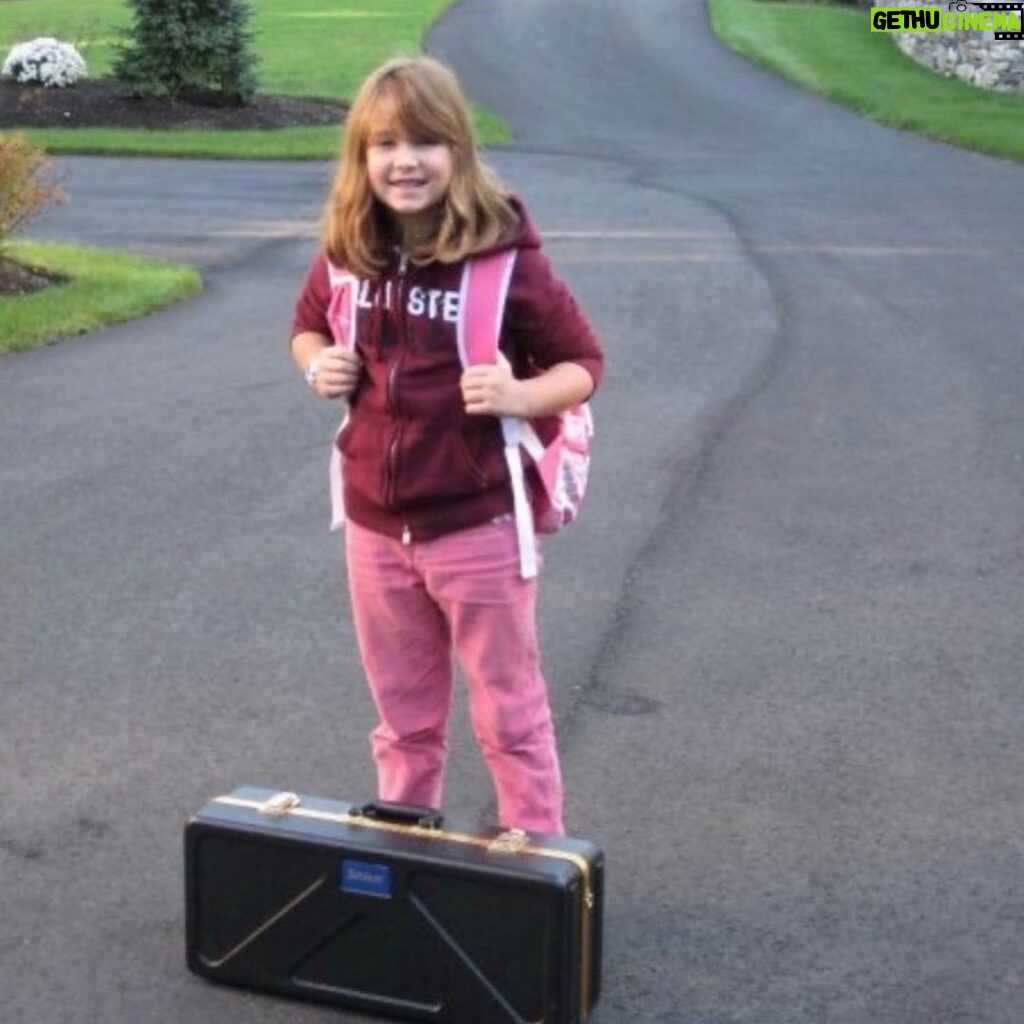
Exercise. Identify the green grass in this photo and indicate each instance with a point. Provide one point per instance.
(313, 48)
(104, 288)
(832, 51)
(268, 144)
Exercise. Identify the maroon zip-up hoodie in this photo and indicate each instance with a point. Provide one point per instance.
(416, 465)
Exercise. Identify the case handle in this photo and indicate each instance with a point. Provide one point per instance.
(399, 814)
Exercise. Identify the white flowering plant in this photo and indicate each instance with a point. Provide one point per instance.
(46, 62)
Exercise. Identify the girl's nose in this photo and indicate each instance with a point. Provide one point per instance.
(405, 155)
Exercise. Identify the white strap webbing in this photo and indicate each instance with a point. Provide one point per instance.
(516, 432)
(510, 429)
(530, 441)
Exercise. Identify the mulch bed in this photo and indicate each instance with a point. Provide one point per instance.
(101, 102)
(18, 279)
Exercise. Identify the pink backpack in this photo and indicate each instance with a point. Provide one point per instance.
(548, 493)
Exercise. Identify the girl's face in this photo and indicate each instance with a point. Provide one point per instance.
(409, 175)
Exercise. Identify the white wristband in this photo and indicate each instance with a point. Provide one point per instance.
(311, 370)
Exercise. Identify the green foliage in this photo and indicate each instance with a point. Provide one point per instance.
(196, 47)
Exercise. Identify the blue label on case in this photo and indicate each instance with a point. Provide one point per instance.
(366, 879)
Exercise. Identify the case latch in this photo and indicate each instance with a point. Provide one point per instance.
(511, 841)
(279, 804)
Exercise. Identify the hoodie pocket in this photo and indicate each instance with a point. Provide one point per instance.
(446, 467)
(472, 461)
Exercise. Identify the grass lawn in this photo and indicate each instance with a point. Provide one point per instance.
(312, 48)
(832, 51)
(104, 287)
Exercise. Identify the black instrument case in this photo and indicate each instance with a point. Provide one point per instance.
(388, 909)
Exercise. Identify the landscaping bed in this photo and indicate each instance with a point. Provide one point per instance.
(102, 102)
(19, 279)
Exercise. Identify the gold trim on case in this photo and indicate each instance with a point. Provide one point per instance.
(270, 922)
(514, 842)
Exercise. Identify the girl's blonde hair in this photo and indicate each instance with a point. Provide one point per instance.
(423, 98)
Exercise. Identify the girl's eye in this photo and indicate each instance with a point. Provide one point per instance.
(389, 142)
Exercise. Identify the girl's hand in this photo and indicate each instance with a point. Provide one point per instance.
(493, 391)
(337, 372)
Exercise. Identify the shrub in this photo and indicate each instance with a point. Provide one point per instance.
(199, 48)
(26, 185)
(46, 62)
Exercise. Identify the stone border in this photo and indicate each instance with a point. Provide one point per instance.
(975, 56)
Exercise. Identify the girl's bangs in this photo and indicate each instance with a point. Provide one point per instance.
(400, 104)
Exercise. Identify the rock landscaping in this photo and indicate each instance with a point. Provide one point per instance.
(974, 56)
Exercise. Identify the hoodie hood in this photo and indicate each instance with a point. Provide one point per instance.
(527, 236)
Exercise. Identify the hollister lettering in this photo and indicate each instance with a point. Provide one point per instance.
(434, 304)
(428, 303)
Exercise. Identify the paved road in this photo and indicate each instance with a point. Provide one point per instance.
(784, 642)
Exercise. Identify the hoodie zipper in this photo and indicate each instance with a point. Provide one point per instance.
(396, 441)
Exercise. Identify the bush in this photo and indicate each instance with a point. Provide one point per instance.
(46, 62)
(199, 48)
(26, 185)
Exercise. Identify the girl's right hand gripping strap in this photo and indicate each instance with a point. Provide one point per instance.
(341, 316)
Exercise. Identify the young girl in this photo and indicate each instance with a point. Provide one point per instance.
(431, 548)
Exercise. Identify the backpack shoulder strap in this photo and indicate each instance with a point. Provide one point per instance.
(482, 296)
(343, 306)
(342, 310)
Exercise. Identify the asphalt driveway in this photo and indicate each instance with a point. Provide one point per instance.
(784, 641)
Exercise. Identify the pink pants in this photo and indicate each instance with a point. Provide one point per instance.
(413, 604)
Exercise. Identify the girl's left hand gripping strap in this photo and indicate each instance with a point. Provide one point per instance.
(484, 289)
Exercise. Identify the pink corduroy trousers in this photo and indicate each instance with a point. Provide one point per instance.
(414, 606)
